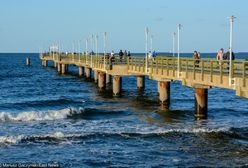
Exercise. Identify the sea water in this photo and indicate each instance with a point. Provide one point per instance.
(63, 119)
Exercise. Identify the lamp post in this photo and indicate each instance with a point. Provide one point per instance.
(96, 45)
(79, 53)
(104, 47)
(231, 19)
(179, 26)
(73, 50)
(146, 43)
(86, 52)
(173, 41)
(92, 46)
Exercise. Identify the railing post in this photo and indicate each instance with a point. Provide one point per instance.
(202, 70)
(194, 68)
(244, 69)
(187, 64)
(132, 63)
(135, 64)
(221, 72)
(147, 66)
(162, 66)
(152, 67)
(128, 63)
(174, 66)
(232, 65)
(167, 66)
(156, 65)
(211, 71)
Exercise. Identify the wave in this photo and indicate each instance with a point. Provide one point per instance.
(61, 137)
(38, 116)
(67, 113)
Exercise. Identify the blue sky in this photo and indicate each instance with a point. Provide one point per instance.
(27, 25)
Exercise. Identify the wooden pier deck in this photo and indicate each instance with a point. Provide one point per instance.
(202, 75)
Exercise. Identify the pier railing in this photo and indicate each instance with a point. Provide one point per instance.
(138, 64)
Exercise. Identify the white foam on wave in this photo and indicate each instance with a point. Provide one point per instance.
(37, 116)
(7, 140)
(10, 139)
(191, 130)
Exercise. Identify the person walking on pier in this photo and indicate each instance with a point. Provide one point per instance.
(220, 55)
(149, 55)
(154, 54)
(129, 54)
(121, 55)
(227, 55)
(196, 58)
(125, 53)
(112, 54)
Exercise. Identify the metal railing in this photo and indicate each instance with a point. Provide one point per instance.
(160, 65)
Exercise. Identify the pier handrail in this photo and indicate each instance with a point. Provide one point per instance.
(187, 64)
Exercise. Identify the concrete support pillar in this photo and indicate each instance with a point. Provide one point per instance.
(108, 79)
(101, 80)
(55, 64)
(81, 71)
(201, 103)
(45, 63)
(164, 93)
(66, 68)
(27, 61)
(96, 76)
(117, 85)
(63, 68)
(88, 72)
(59, 67)
(140, 82)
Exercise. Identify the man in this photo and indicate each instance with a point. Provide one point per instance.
(121, 55)
(227, 55)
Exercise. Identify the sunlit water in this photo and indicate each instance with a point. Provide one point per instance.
(46, 117)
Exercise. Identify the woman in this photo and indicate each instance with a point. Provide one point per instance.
(220, 55)
(196, 57)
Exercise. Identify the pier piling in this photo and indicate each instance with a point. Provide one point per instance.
(164, 93)
(108, 79)
(55, 64)
(201, 103)
(117, 85)
(27, 61)
(59, 67)
(88, 72)
(101, 81)
(63, 68)
(43, 62)
(81, 71)
(95, 76)
(140, 82)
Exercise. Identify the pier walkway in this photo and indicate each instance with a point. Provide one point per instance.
(200, 75)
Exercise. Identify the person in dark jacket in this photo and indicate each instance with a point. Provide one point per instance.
(121, 55)
(227, 55)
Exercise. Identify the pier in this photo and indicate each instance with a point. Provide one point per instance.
(201, 76)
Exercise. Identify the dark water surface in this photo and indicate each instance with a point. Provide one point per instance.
(46, 117)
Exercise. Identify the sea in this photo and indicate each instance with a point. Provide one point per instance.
(64, 121)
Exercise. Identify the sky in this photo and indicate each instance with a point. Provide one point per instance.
(30, 25)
